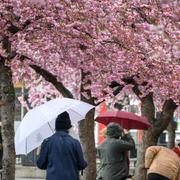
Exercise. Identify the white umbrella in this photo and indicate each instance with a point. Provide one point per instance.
(39, 123)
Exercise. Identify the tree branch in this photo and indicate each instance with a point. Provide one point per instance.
(129, 80)
(115, 41)
(53, 80)
(167, 113)
(143, 15)
(148, 108)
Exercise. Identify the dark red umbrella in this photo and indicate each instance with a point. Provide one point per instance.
(127, 120)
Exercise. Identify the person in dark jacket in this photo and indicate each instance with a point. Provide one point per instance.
(61, 155)
(113, 153)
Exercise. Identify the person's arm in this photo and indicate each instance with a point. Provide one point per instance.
(126, 142)
(42, 159)
(150, 154)
(81, 163)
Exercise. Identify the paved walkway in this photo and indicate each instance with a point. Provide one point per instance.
(29, 173)
(27, 179)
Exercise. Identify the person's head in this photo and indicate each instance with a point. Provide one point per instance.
(63, 121)
(114, 130)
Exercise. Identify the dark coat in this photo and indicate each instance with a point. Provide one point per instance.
(112, 153)
(62, 157)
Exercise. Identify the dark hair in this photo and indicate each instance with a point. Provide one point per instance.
(179, 144)
(63, 121)
(114, 130)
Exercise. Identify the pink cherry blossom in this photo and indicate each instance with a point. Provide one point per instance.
(111, 40)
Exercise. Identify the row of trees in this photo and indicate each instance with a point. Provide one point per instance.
(90, 50)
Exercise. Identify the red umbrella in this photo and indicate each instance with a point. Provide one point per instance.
(127, 120)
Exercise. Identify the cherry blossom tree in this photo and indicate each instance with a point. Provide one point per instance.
(90, 49)
(15, 27)
(7, 106)
(143, 56)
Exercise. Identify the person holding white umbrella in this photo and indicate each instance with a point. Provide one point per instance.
(61, 155)
(39, 122)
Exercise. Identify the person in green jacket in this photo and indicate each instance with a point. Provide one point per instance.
(113, 153)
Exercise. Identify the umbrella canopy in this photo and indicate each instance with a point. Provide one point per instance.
(39, 123)
(127, 120)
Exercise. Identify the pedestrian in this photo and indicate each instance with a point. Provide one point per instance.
(61, 155)
(103, 133)
(112, 153)
(162, 163)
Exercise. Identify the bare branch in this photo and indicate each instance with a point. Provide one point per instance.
(53, 80)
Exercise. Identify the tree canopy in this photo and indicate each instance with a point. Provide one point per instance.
(111, 41)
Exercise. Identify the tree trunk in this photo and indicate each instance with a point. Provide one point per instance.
(150, 137)
(171, 133)
(7, 99)
(1, 147)
(86, 134)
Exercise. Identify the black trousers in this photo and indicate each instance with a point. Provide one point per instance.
(154, 176)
